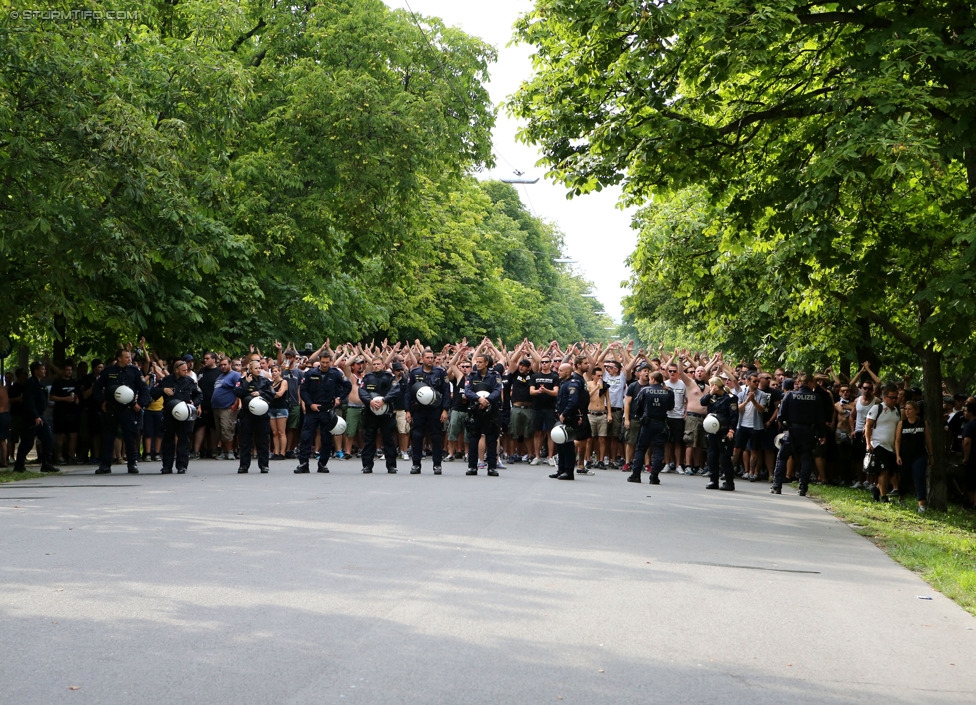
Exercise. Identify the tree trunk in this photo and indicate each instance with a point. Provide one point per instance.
(932, 384)
(60, 340)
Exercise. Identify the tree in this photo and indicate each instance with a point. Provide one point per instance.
(836, 139)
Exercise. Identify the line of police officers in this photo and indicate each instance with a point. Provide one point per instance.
(426, 393)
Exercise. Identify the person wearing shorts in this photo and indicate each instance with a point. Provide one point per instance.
(225, 405)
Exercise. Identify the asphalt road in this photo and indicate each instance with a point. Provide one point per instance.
(217, 588)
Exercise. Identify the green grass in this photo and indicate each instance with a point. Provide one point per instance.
(939, 546)
(8, 475)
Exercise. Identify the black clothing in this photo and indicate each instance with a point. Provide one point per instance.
(384, 385)
(118, 418)
(426, 420)
(35, 426)
(718, 455)
(253, 430)
(482, 422)
(520, 388)
(802, 413)
(657, 400)
(177, 435)
(323, 388)
(545, 381)
(572, 403)
(206, 380)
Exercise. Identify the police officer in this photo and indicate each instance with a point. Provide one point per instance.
(117, 416)
(177, 387)
(253, 429)
(323, 389)
(428, 420)
(483, 391)
(379, 387)
(33, 422)
(725, 407)
(802, 414)
(657, 401)
(571, 404)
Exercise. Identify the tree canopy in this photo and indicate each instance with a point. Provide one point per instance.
(214, 174)
(808, 170)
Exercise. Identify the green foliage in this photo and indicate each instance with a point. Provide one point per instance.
(215, 174)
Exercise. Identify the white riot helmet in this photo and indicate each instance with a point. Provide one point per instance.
(382, 410)
(124, 395)
(560, 434)
(425, 395)
(257, 406)
(340, 426)
(778, 441)
(181, 411)
(711, 424)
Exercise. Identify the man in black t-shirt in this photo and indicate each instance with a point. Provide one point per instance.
(520, 421)
(969, 454)
(205, 438)
(67, 413)
(543, 390)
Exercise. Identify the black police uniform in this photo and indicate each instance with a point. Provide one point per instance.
(177, 435)
(426, 420)
(482, 421)
(802, 413)
(719, 448)
(322, 388)
(571, 403)
(383, 385)
(32, 412)
(122, 417)
(657, 400)
(253, 430)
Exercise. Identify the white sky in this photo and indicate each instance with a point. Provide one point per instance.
(597, 233)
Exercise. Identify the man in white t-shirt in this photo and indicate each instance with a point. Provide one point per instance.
(674, 450)
(879, 437)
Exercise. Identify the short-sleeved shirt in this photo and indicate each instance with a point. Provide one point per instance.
(885, 424)
(680, 398)
(223, 394)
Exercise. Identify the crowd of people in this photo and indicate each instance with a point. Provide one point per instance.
(584, 408)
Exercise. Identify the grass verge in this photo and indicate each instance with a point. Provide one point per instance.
(939, 546)
(8, 475)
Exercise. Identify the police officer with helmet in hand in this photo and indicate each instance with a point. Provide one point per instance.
(571, 404)
(725, 407)
(428, 419)
(178, 388)
(483, 392)
(379, 394)
(253, 422)
(657, 401)
(323, 389)
(122, 393)
(802, 413)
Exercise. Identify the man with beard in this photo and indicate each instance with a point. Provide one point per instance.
(380, 389)
(118, 416)
(323, 389)
(483, 390)
(177, 387)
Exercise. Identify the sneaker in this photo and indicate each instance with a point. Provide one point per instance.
(340, 455)
(437, 469)
(449, 458)
(894, 493)
(856, 485)
(534, 461)
(626, 467)
(500, 466)
(526, 458)
(678, 469)
(587, 465)
(670, 468)
(552, 461)
(584, 471)
(380, 455)
(404, 455)
(482, 465)
(921, 509)
(415, 470)
(601, 466)
(689, 470)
